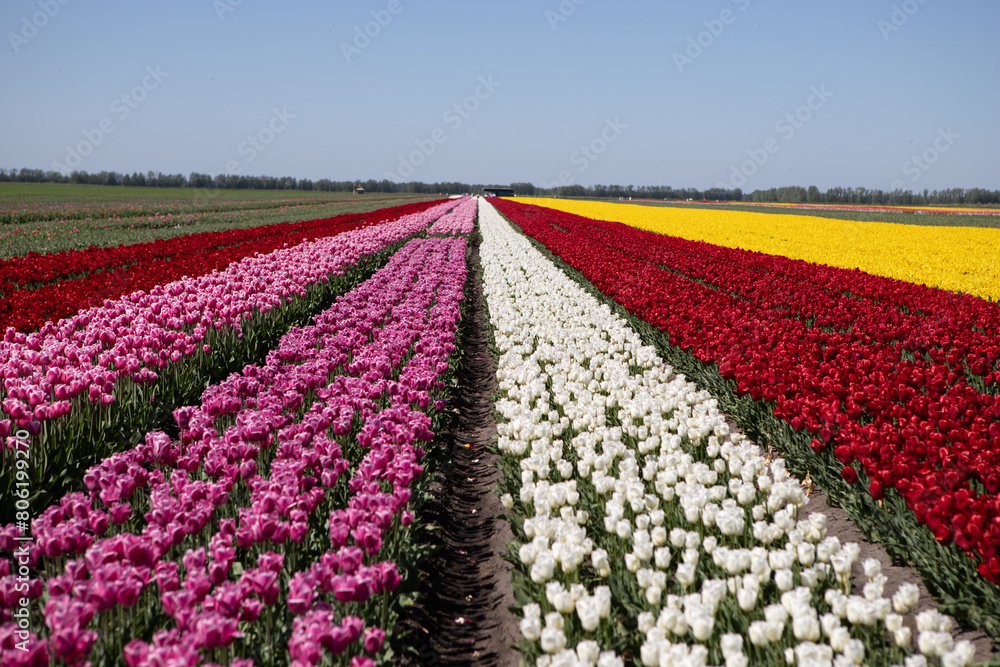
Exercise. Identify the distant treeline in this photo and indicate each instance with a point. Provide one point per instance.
(229, 181)
(634, 191)
(790, 195)
(953, 196)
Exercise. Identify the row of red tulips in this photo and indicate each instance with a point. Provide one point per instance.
(843, 361)
(77, 279)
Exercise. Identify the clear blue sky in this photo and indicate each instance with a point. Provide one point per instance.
(290, 89)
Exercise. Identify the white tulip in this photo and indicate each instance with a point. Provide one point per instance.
(932, 620)
(731, 644)
(809, 653)
(839, 638)
(552, 640)
(826, 548)
(829, 622)
(873, 589)
(644, 551)
(702, 626)
(564, 602)
(784, 579)
(692, 541)
(759, 633)
(649, 653)
(806, 628)
(588, 652)
(543, 568)
(746, 599)
(646, 622)
(905, 598)
(860, 611)
(810, 577)
(935, 644)
(780, 560)
(600, 563)
(632, 562)
(962, 655)
(806, 553)
(588, 611)
(531, 628)
(854, 650)
(661, 557)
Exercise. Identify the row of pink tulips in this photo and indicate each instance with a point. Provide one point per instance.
(461, 220)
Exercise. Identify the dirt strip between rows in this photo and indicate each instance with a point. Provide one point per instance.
(463, 616)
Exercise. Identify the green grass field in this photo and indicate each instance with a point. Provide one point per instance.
(49, 217)
(65, 193)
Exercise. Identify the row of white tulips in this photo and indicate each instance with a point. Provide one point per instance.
(645, 514)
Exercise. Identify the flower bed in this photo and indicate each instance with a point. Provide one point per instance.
(647, 528)
(954, 258)
(280, 513)
(896, 379)
(105, 375)
(77, 279)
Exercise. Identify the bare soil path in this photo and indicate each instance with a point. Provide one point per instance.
(463, 616)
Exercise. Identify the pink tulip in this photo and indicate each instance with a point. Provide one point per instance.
(374, 637)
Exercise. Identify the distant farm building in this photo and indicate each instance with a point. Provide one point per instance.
(498, 192)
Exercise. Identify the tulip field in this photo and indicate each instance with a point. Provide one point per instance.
(220, 447)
